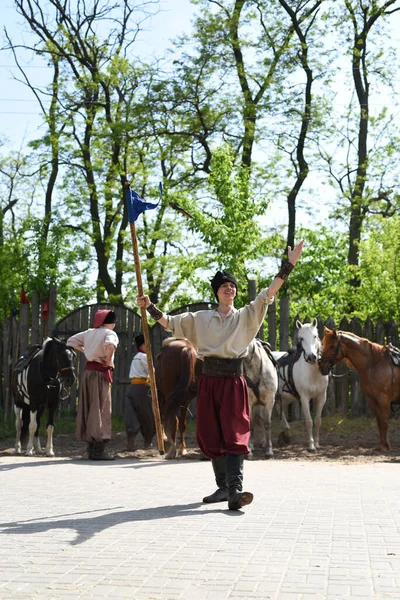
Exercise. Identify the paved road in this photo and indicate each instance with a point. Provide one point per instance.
(136, 530)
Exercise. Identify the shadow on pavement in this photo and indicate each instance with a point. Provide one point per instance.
(87, 527)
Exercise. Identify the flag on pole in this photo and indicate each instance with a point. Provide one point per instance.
(136, 204)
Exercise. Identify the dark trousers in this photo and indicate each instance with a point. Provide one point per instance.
(222, 416)
(139, 412)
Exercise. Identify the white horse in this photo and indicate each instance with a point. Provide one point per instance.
(301, 379)
(262, 383)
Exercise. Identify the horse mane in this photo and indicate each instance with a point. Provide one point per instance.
(377, 350)
(168, 340)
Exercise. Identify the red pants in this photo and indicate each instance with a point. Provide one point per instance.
(222, 416)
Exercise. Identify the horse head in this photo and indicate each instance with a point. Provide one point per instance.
(309, 340)
(329, 356)
(64, 359)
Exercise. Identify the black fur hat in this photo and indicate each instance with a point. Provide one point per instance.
(139, 340)
(110, 318)
(221, 277)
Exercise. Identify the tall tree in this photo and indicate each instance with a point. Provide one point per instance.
(366, 176)
(92, 89)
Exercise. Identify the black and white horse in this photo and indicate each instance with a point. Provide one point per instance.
(36, 385)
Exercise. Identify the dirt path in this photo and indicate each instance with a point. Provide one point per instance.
(344, 440)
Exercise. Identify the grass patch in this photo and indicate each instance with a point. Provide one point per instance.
(64, 424)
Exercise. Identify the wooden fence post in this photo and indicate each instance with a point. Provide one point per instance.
(23, 328)
(35, 337)
(284, 324)
(252, 293)
(271, 315)
(6, 367)
(51, 317)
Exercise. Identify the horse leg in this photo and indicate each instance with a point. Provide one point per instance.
(36, 439)
(50, 430)
(172, 440)
(182, 429)
(268, 431)
(32, 431)
(284, 436)
(305, 404)
(320, 402)
(18, 427)
(382, 418)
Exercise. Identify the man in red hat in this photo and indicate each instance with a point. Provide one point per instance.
(94, 407)
(221, 337)
(138, 406)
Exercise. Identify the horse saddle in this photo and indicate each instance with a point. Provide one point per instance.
(290, 357)
(394, 354)
(24, 361)
(268, 350)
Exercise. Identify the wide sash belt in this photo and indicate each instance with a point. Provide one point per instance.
(223, 367)
(92, 365)
(139, 380)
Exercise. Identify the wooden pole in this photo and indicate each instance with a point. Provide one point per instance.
(145, 327)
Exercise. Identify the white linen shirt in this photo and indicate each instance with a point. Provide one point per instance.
(227, 338)
(93, 342)
(139, 367)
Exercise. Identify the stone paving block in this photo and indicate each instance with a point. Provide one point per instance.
(147, 536)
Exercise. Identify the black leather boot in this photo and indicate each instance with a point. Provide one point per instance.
(221, 495)
(90, 450)
(234, 472)
(99, 452)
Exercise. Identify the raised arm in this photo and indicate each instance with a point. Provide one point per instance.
(287, 268)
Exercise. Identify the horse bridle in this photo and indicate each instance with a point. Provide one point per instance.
(331, 360)
(52, 381)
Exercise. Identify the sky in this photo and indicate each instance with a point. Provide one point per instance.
(19, 113)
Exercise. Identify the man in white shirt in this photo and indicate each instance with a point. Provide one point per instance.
(94, 407)
(221, 338)
(138, 405)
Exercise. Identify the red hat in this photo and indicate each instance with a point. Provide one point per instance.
(104, 316)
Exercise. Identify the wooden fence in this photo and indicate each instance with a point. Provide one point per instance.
(32, 325)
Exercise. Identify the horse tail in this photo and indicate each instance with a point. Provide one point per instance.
(179, 396)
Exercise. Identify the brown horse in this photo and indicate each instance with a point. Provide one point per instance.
(379, 376)
(177, 368)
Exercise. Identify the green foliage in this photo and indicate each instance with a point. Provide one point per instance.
(318, 285)
(379, 272)
(228, 222)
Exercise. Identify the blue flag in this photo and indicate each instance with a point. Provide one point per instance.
(136, 204)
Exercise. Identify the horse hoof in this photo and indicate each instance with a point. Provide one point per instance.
(283, 438)
(50, 454)
(170, 455)
(312, 450)
(268, 456)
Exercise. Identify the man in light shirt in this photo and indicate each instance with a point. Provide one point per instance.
(222, 337)
(94, 407)
(138, 405)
